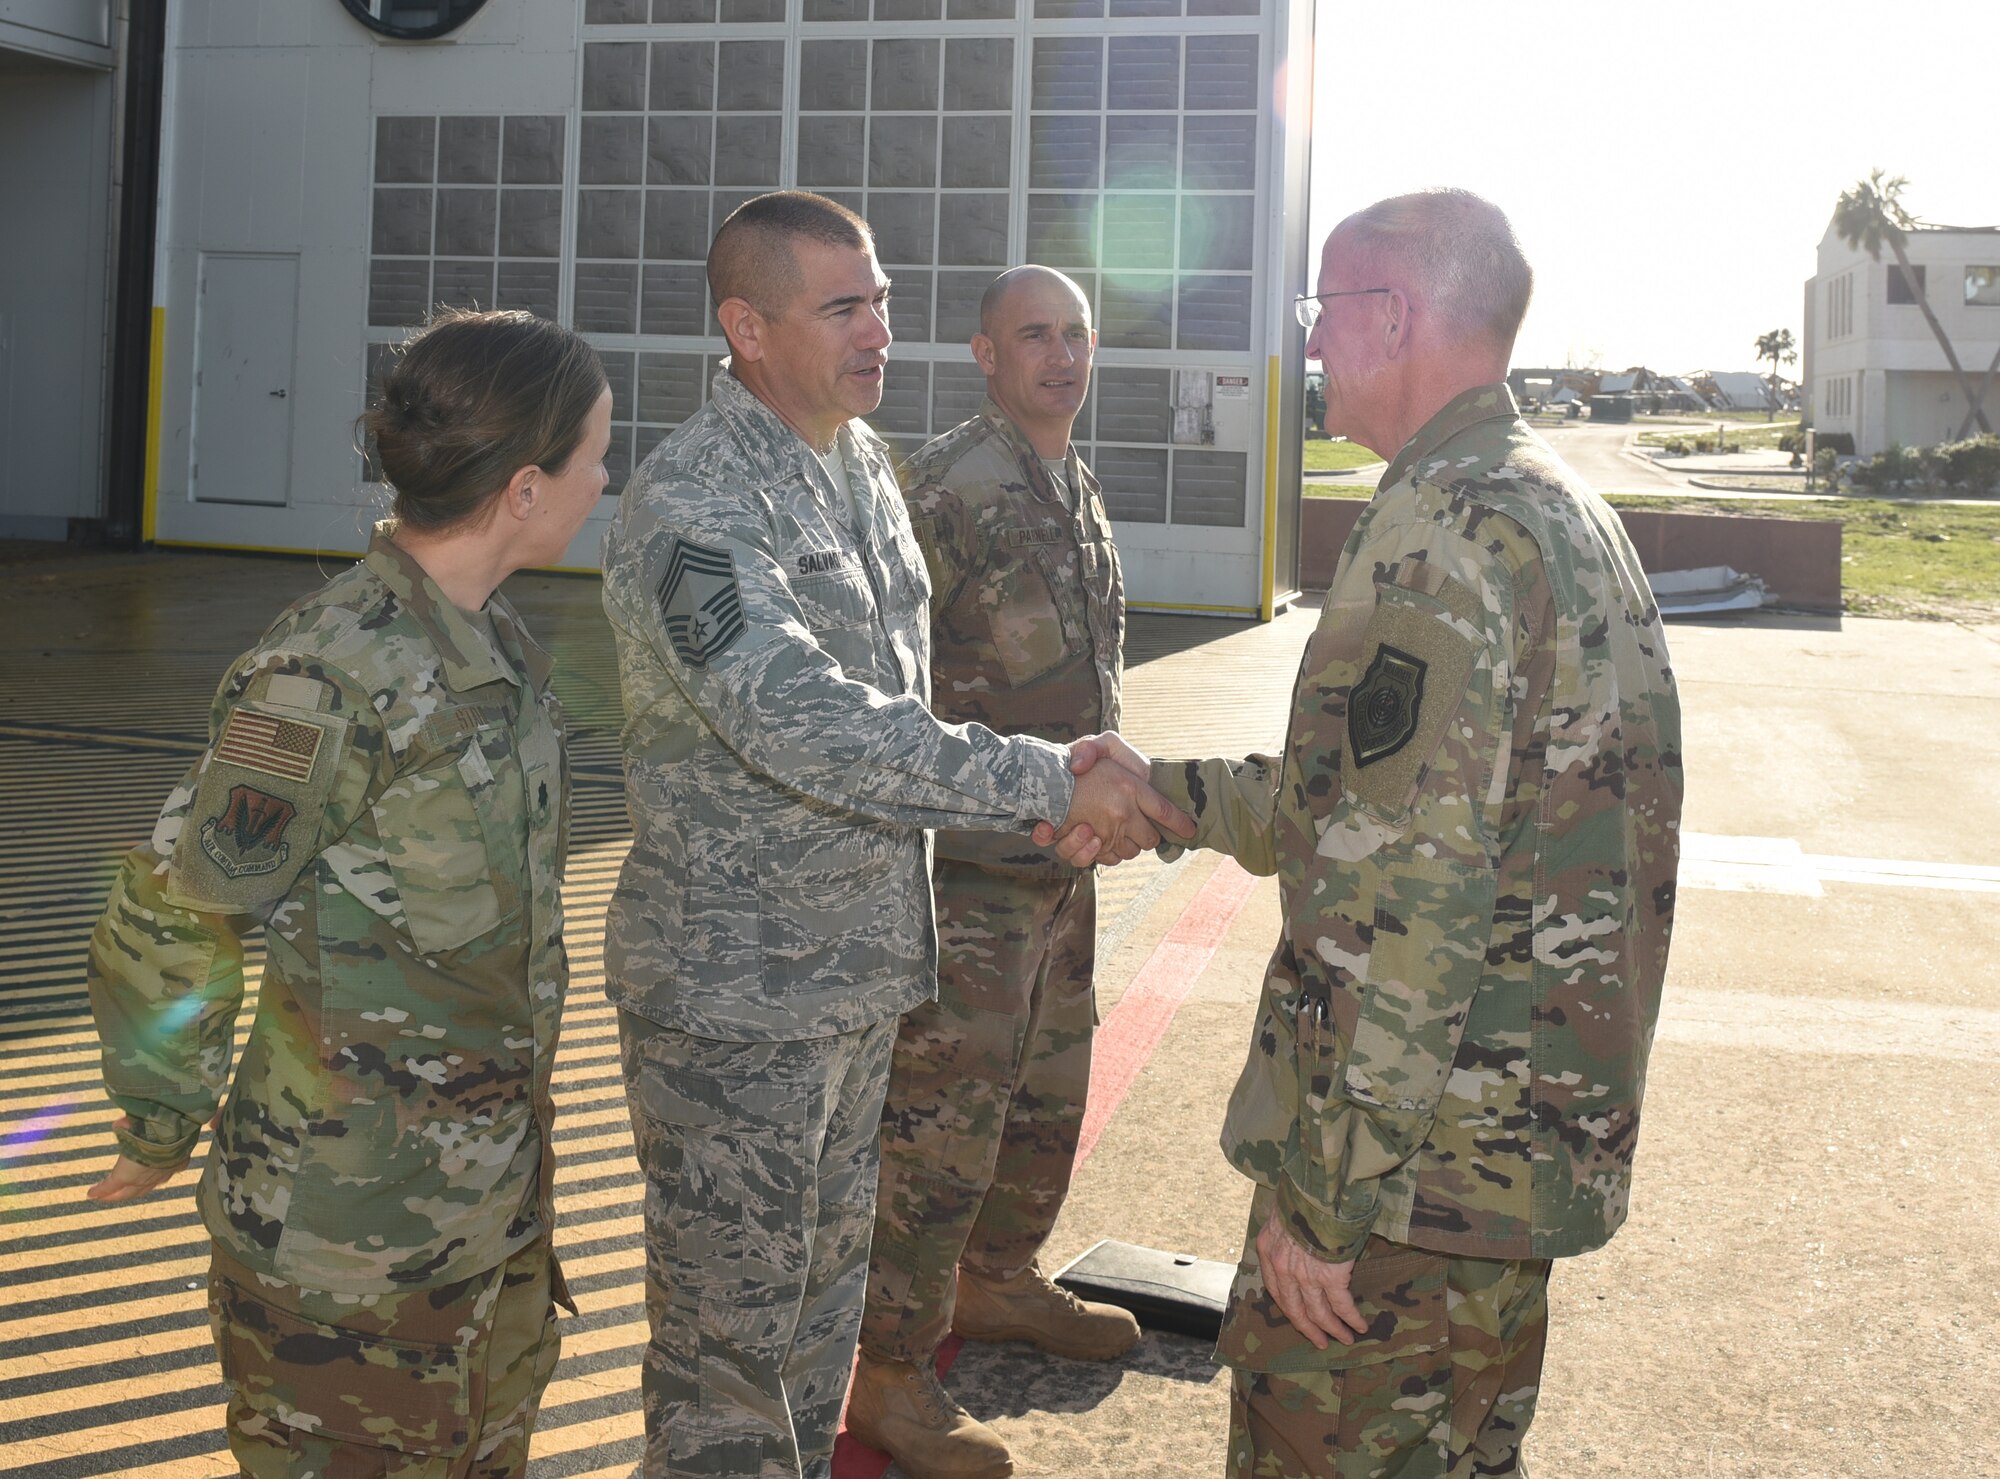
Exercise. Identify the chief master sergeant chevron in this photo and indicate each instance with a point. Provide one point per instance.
(1475, 827)
(774, 916)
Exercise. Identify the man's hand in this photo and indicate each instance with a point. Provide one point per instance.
(1115, 815)
(1313, 1293)
(127, 1180)
(1078, 842)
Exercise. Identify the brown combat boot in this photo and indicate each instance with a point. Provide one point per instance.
(903, 1409)
(1028, 1307)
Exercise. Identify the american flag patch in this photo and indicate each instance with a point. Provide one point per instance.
(285, 748)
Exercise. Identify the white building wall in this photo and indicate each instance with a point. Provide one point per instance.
(1877, 370)
(530, 161)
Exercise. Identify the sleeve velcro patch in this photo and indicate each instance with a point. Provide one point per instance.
(255, 819)
(701, 604)
(1416, 667)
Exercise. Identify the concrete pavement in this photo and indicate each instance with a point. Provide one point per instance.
(1806, 1287)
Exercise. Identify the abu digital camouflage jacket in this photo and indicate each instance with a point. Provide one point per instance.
(1027, 602)
(1475, 826)
(781, 761)
(388, 797)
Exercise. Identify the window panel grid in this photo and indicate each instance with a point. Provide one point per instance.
(1131, 169)
(465, 212)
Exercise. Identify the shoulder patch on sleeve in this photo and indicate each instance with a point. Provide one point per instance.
(246, 839)
(268, 744)
(1417, 667)
(1382, 710)
(700, 602)
(256, 812)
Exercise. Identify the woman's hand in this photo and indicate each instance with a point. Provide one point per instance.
(127, 1180)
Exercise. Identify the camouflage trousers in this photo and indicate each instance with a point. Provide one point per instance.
(1442, 1386)
(436, 1383)
(759, 1160)
(986, 1098)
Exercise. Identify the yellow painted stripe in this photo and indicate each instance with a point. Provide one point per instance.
(1268, 606)
(110, 1393)
(1177, 607)
(142, 742)
(156, 382)
(135, 1247)
(81, 1357)
(616, 1428)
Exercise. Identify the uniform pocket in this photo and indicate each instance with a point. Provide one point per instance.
(1023, 619)
(453, 834)
(722, 1153)
(836, 599)
(829, 906)
(340, 1382)
(1427, 952)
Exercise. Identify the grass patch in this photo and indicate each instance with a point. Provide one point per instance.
(1748, 437)
(1337, 456)
(1930, 562)
(1922, 561)
(1709, 418)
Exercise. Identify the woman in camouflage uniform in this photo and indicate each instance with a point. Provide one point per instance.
(385, 792)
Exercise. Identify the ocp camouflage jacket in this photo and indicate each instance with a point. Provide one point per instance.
(388, 797)
(1027, 602)
(781, 760)
(1475, 826)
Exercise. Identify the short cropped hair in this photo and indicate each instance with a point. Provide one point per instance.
(751, 257)
(1461, 252)
(469, 402)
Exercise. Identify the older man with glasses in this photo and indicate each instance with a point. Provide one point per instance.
(1475, 826)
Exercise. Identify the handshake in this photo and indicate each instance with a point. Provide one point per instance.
(1114, 814)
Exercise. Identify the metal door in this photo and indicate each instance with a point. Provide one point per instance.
(246, 316)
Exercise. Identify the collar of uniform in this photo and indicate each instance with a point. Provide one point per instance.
(469, 660)
(765, 435)
(522, 650)
(1468, 408)
(1025, 454)
(773, 444)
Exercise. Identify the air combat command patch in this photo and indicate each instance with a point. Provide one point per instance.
(700, 603)
(1382, 708)
(247, 838)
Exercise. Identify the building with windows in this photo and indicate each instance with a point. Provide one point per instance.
(1870, 364)
(329, 170)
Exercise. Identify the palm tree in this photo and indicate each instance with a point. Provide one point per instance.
(1872, 213)
(1777, 347)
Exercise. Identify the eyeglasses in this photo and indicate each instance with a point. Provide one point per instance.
(1306, 307)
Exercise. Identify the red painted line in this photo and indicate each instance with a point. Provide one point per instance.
(1143, 1014)
(1123, 1044)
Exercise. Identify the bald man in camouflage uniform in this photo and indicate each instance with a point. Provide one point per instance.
(774, 917)
(987, 1093)
(1475, 827)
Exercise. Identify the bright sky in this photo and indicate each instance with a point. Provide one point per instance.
(1670, 169)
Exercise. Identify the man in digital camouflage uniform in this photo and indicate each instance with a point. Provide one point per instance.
(774, 916)
(987, 1089)
(1475, 827)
